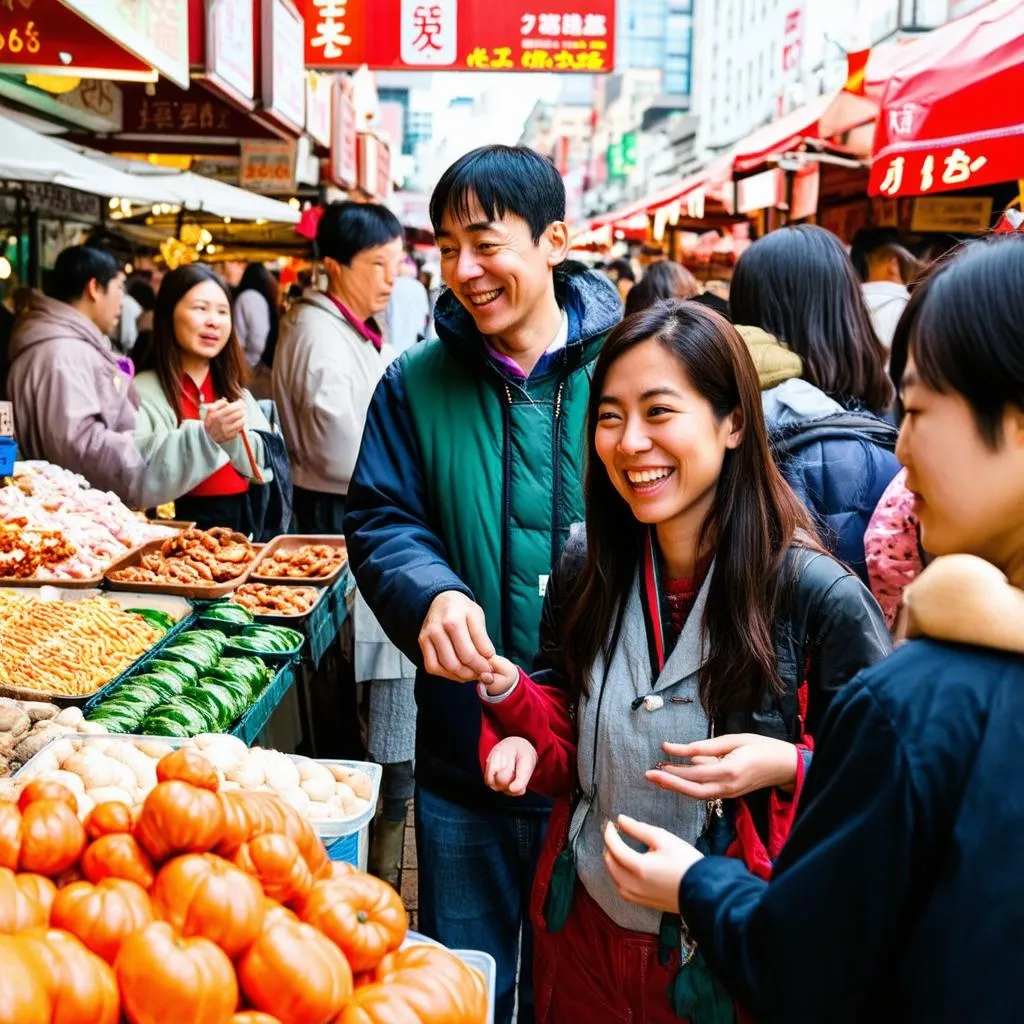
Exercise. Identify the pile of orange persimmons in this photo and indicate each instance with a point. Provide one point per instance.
(204, 906)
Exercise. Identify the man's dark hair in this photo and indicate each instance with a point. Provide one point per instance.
(347, 229)
(868, 241)
(77, 265)
(504, 180)
(138, 286)
(622, 269)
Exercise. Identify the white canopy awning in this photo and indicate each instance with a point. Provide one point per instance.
(207, 195)
(27, 155)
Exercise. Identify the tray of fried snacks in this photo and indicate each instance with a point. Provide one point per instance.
(313, 558)
(196, 564)
(65, 646)
(31, 556)
(270, 602)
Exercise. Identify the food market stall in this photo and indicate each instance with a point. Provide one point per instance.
(153, 883)
(285, 602)
(139, 824)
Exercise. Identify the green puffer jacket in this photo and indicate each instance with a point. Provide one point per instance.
(469, 479)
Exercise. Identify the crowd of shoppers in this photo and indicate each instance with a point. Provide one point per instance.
(628, 582)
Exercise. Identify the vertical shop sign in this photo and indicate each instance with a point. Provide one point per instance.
(344, 166)
(155, 31)
(230, 61)
(428, 36)
(318, 107)
(629, 151)
(368, 151)
(383, 171)
(616, 170)
(284, 84)
(792, 41)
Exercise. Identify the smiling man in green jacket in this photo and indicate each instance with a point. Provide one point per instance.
(468, 479)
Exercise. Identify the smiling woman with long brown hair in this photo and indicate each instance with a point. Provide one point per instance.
(198, 426)
(700, 610)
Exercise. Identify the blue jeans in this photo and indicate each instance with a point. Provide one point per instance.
(476, 870)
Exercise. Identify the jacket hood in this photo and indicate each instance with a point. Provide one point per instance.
(47, 319)
(794, 402)
(879, 294)
(590, 300)
(774, 362)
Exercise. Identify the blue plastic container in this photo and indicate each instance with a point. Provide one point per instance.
(8, 455)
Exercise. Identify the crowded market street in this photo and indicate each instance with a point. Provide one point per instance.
(511, 513)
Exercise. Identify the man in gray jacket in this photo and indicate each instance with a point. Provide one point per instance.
(74, 403)
(330, 356)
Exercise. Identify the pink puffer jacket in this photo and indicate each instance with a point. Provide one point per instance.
(891, 547)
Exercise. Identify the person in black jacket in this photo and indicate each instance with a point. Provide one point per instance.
(898, 895)
(824, 417)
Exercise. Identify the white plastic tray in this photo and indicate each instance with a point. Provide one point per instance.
(331, 829)
(483, 962)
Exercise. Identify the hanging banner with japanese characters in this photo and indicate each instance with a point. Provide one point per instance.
(461, 35)
(947, 168)
(230, 57)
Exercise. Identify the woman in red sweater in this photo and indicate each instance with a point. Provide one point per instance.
(199, 429)
(700, 606)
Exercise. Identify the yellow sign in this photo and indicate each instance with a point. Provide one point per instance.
(959, 214)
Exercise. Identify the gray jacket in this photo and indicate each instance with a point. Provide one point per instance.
(618, 744)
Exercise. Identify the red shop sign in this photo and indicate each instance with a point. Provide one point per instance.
(461, 35)
(41, 36)
(933, 168)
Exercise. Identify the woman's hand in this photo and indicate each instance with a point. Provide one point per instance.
(224, 420)
(501, 678)
(510, 766)
(650, 879)
(727, 766)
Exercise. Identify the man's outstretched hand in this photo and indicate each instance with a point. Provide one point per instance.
(454, 640)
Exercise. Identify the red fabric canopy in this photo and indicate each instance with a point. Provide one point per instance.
(951, 116)
(780, 135)
(711, 177)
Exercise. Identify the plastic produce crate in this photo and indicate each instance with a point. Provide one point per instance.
(254, 721)
(8, 455)
(345, 840)
(349, 841)
(328, 616)
(483, 962)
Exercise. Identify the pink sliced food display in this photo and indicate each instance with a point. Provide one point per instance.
(53, 526)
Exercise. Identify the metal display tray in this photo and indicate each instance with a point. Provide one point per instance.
(176, 607)
(292, 542)
(175, 589)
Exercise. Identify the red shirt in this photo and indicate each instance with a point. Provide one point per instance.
(226, 480)
(361, 326)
